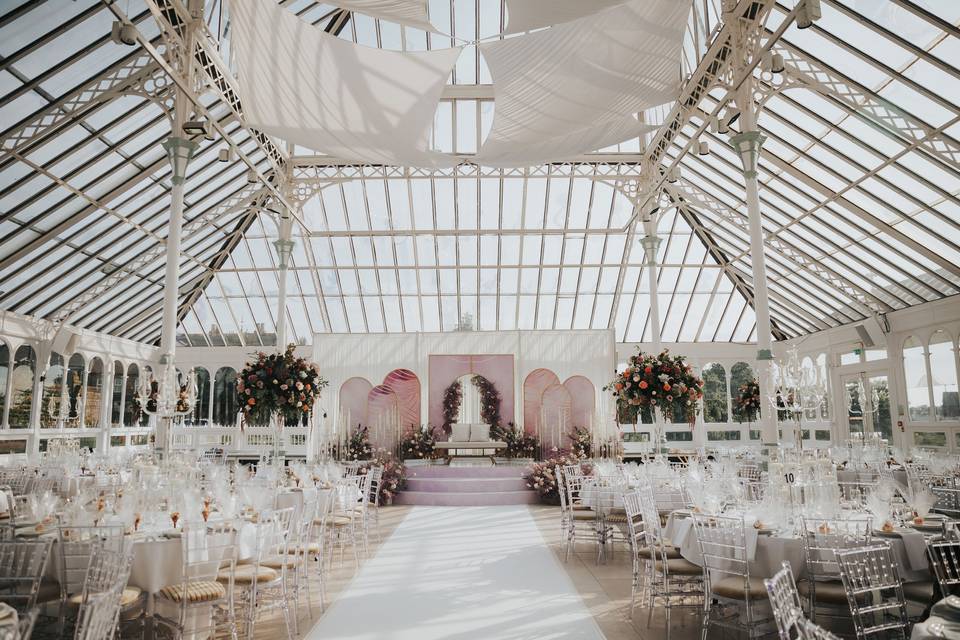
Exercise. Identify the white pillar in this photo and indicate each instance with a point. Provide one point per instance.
(747, 144)
(284, 248)
(650, 243)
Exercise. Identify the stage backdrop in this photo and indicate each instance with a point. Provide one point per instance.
(394, 358)
(445, 369)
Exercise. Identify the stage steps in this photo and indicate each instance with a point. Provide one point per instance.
(443, 486)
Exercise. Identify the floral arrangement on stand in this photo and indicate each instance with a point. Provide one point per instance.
(417, 443)
(394, 474)
(747, 403)
(358, 446)
(452, 397)
(519, 443)
(544, 477)
(489, 401)
(278, 384)
(662, 383)
(580, 442)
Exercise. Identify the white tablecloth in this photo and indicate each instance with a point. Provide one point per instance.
(766, 552)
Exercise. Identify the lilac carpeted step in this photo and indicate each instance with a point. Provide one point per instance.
(466, 485)
(443, 471)
(472, 499)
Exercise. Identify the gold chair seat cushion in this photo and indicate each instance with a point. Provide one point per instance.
(581, 507)
(197, 591)
(617, 518)
(290, 562)
(129, 596)
(671, 552)
(733, 587)
(248, 573)
(313, 548)
(584, 515)
(919, 591)
(340, 521)
(681, 567)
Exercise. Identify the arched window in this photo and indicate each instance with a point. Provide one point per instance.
(131, 409)
(714, 393)
(21, 396)
(225, 397)
(4, 376)
(943, 377)
(741, 374)
(116, 401)
(201, 411)
(50, 403)
(93, 399)
(915, 377)
(74, 384)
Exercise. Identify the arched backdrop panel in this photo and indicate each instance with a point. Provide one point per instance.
(406, 386)
(353, 402)
(382, 407)
(534, 385)
(556, 417)
(582, 401)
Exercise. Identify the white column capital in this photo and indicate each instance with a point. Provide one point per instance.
(650, 244)
(179, 153)
(748, 144)
(284, 250)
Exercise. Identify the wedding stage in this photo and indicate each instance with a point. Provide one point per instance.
(461, 573)
(447, 486)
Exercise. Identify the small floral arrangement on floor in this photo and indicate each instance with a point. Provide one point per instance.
(278, 383)
(746, 406)
(519, 443)
(661, 383)
(580, 442)
(393, 474)
(358, 447)
(544, 477)
(417, 444)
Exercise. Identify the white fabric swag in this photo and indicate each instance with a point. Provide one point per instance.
(316, 90)
(570, 89)
(412, 13)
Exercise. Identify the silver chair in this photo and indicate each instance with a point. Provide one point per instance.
(726, 574)
(810, 630)
(785, 603)
(874, 592)
(948, 501)
(821, 539)
(208, 564)
(22, 563)
(945, 560)
(101, 599)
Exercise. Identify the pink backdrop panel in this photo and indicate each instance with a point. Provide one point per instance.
(582, 401)
(380, 401)
(444, 369)
(407, 387)
(556, 403)
(353, 399)
(534, 385)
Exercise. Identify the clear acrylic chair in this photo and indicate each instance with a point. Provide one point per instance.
(874, 592)
(733, 596)
(810, 630)
(22, 563)
(945, 560)
(202, 600)
(637, 540)
(948, 501)
(785, 603)
(373, 507)
(342, 524)
(821, 539)
(102, 595)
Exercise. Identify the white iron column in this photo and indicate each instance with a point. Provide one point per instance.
(179, 152)
(747, 144)
(651, 242)
(284, 247)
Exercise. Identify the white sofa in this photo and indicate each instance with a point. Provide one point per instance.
(470, 439)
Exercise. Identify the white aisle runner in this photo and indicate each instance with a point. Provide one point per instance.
(460, 573)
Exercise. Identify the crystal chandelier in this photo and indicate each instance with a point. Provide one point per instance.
(795, 387)
(167, 397)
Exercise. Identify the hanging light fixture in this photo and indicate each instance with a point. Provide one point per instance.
(166, 397)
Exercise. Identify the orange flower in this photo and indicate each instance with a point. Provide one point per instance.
(643, 384)
(666, 387)
(648, 369)
(618, 386)
(251, 401)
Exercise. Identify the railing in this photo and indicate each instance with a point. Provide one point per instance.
(251, 441)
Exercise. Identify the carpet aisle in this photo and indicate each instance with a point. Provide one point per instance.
(460, 573)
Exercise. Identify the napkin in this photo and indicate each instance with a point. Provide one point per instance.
(948, 609)
(916, 546)
(8, 616)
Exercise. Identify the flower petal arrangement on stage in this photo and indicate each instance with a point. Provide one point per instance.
(417, 443)
(662, 383)
(278, 383)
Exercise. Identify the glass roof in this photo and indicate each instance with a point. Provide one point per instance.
(860, 192)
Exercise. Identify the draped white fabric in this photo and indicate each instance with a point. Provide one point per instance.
(567, 90)
(352, 102)
(526, 15)
(412, 13)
